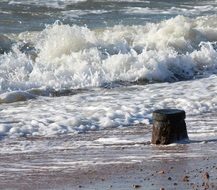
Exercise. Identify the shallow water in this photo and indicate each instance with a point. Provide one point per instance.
(100, 159)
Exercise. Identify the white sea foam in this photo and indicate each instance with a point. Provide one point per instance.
(71, 57)
(99, 109)
(74, 14)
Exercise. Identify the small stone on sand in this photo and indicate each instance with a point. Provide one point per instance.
(206, 176)
(185, 178)
(136, 186)
(161, 172)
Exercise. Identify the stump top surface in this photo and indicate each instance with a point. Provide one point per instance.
(166, 114)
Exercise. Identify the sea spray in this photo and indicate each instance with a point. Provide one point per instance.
(73, 57)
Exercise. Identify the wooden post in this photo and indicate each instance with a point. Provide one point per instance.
(168, 126)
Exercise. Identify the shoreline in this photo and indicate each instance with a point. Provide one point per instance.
(186, 173)
(115, 159)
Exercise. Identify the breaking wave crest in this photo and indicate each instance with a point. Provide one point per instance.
(72, 57)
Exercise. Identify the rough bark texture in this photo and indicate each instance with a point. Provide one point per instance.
(168, 126)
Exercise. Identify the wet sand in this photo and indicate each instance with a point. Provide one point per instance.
(83, 161)
(174, 173)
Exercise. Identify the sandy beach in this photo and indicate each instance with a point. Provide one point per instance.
(80, 80)
(109, 159)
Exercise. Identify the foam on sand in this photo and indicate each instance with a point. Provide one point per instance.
(105, 109)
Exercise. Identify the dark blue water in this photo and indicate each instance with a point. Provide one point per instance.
(33, 15)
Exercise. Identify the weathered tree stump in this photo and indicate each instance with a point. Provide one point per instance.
(168, 126)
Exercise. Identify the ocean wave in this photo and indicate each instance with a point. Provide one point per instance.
(186, 10)
(74, 57)
(48, 3)
(61, 3)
